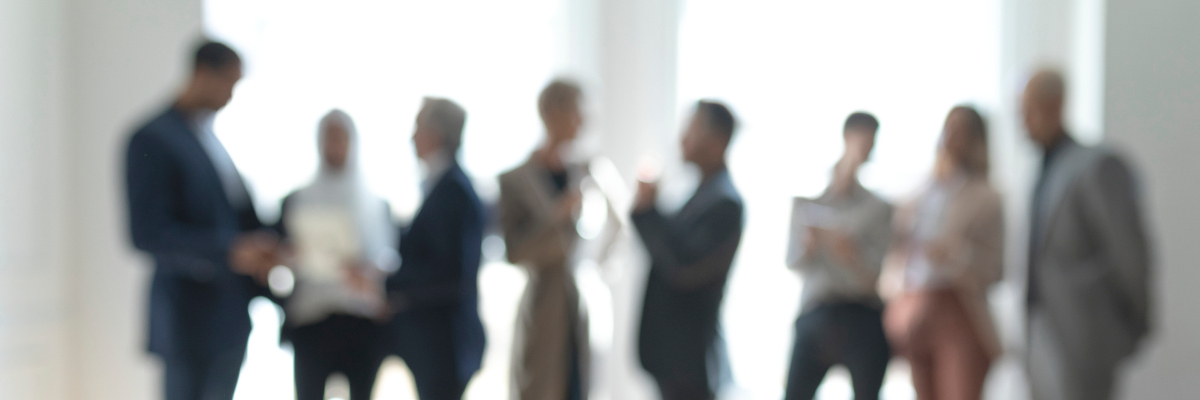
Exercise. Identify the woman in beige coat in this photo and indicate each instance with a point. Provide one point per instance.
(539, 204)
(947, 254)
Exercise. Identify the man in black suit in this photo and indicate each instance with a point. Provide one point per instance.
(190, 210)
(435, 296)
(690, 254)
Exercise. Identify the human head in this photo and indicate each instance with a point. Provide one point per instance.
(708, 134)
(1042, 105)
(439, 128)
(964, 140)
(216, 69)
(558, 105)
(859, 134)
(336, 135)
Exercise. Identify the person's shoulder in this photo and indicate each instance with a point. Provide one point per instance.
(456, 182)
(726, 189)
(511, 176)
(157, 128)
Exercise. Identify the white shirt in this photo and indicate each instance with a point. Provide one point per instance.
(435, 167)
(863, 216)
(927, 226)
(231, 180)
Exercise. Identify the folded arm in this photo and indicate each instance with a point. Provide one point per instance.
(698, 257)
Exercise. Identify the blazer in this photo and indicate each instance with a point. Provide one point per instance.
(180, 215)
(1090, 261)
(550, 321)
(690, 256)
(973, 231)
(439, 271)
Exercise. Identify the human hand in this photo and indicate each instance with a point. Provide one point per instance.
(254, 254)
(568, 206)
(647, 194)
(938, 253)
(362, 278)
(845, 248)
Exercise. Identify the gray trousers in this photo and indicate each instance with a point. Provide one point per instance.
(1052, 376)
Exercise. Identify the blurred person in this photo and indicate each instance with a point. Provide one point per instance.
(1089, 259)
(839, 254)
(190, 210)
(690, 256)
(947, 253)
(539, 203)
(339, 289)
(435, 295)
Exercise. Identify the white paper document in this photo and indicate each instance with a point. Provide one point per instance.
(325, 238)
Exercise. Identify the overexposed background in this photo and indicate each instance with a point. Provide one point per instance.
(77, 75)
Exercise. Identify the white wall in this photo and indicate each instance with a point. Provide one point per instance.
(127, 58)
(1153, 111)
(34, 317)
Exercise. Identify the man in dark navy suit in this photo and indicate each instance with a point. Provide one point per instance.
(190, 210)
(435, 296)
(690, 255)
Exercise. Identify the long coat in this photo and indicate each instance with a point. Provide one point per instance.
(551, 320)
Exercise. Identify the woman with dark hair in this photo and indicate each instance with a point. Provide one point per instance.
(947, 253)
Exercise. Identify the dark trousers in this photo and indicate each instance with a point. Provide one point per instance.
(202, 376)
(426, 344)
(340, 343)
(850, 334)
(687, 378)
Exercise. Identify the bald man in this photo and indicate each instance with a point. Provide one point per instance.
(1088, 258)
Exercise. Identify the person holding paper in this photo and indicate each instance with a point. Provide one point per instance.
(837, 244)
(434, 297)
(189, 209)
(539, 204)
(690, 256)
(947, 253)
(344, 243)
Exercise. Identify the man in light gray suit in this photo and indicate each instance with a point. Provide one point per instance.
(1089, 262)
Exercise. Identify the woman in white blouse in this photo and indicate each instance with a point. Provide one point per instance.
(344, 241)
(947, 253)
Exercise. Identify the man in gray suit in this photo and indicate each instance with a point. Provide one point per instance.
(690, 255)
(1089, 261)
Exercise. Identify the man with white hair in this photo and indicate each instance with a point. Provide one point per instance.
(434, 296)
(1089, 260)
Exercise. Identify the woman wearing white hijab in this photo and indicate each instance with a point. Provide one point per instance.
(344, 242)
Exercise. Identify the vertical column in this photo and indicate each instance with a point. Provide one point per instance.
(1152, 94)
(128, 58)
(636, 46)
(34, 318)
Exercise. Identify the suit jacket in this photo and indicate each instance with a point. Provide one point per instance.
(690, 255)
(550, 322)
(439, 270)
(972, 229)
(180, 215)
(1090, 261)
